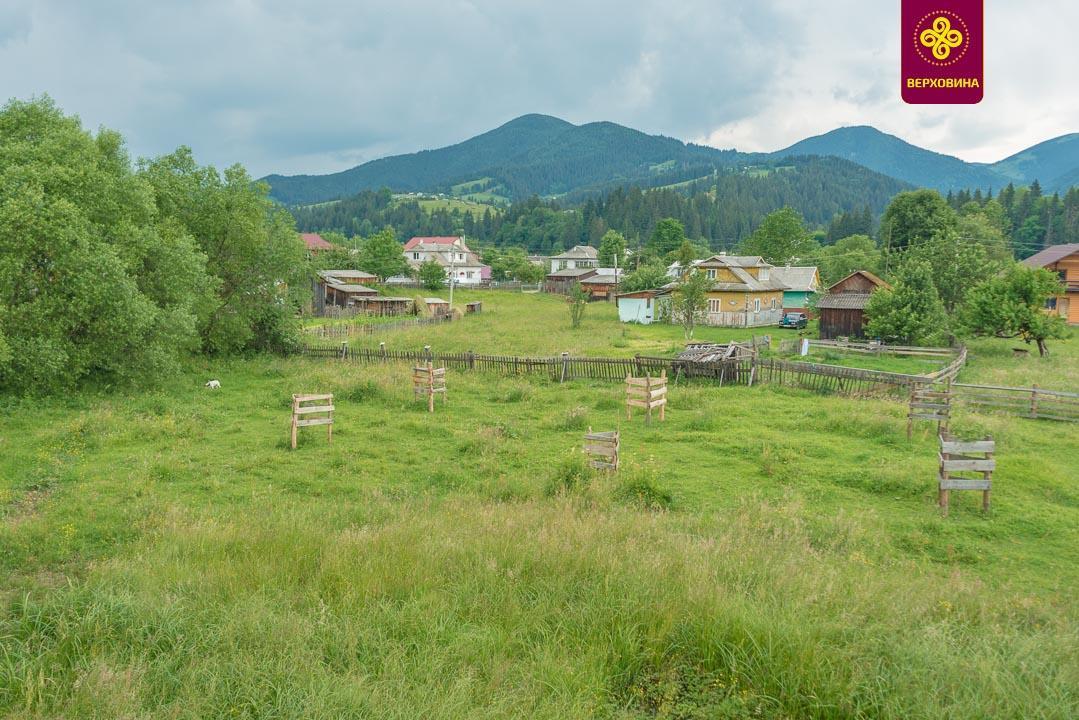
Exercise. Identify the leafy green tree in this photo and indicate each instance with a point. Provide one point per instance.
(684, 256)
(612, 249)
(93, 282)
(781, 238)
(914, 218)
(667, 237)
(382, 255)
(431, 275)
(646, 277)
(1012, 304)
(253, 254)
(911, 312)
(690, 301)
(956, 265)
(856, 252)
(578, 300)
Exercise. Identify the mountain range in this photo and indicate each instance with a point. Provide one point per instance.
(546, 156)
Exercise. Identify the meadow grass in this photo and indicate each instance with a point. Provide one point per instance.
(763, 553)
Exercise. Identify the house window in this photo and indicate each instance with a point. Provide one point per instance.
(763, 273)
(756, 304)
(415, 256)
(1051, 303)
(711, 273)
(648, 302)
(469, 274)
(715, 305)
(773, 303)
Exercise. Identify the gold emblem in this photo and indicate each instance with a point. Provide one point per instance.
(941, 38)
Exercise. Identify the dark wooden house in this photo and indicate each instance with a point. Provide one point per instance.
(842, 307)
(562, 281)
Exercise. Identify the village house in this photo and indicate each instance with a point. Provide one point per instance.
(343, 288)
(802, 283)
(643, 306)
(842, 307)
(1064, 261)
(562, 281)
(745, 293)
(577, 257)
(461, 265)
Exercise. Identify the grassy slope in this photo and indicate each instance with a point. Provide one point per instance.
(164, 554)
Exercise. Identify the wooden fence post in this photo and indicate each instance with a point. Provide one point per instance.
(471, 360)
(382, 350)
(1034, 401)
(565, 367)
(344, 350)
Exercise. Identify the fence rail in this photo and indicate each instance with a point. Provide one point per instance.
(349, 329)
(791, 345)
(1030, 402)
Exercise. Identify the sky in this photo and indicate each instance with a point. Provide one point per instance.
(323, 85)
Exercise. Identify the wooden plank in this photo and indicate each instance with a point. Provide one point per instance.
(924, 416)
(1026, 391)
(928, 405)
(959, 446)
(968, 465)
(659, 392)
(313, 409)
(305, 398)
(639, 381)
(314, 421)
(965, 484)
(602, 465)
(601, 436)
(605, 450)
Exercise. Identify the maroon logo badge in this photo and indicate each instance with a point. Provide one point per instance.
(942, 51)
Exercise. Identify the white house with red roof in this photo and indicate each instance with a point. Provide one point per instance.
(453, 254)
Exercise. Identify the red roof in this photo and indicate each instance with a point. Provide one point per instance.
(314, 241)
(437, 240)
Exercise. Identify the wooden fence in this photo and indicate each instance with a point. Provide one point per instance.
(1030, 402)
(790, 345)
(834, 378)
(560, 367)
(349, 329)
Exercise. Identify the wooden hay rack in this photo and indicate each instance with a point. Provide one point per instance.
(427, 380)
(648, 393)
(302, 412)
(929, 404)
(973, 460)
(602, 449)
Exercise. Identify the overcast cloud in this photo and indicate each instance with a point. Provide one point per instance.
(323, 85)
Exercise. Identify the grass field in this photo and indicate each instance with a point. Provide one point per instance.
(763, 553)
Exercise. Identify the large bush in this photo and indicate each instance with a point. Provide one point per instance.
(115, 274)
(91, 282)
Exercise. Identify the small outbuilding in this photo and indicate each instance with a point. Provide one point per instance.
(643, 306)
(437, 306)
(842, 308)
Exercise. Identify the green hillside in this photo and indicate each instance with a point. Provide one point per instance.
(532, 155)
(891, 156)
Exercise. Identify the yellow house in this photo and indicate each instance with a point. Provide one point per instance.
(1064, 261)
(746, 293)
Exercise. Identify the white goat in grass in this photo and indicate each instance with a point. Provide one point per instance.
(214, 384)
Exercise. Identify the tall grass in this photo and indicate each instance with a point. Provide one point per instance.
(546, 609)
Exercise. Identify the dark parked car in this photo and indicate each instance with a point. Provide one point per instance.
(794, 320)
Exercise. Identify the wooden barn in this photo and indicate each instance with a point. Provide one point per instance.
(842, 307)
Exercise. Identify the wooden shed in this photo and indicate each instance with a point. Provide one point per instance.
(842, 308)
